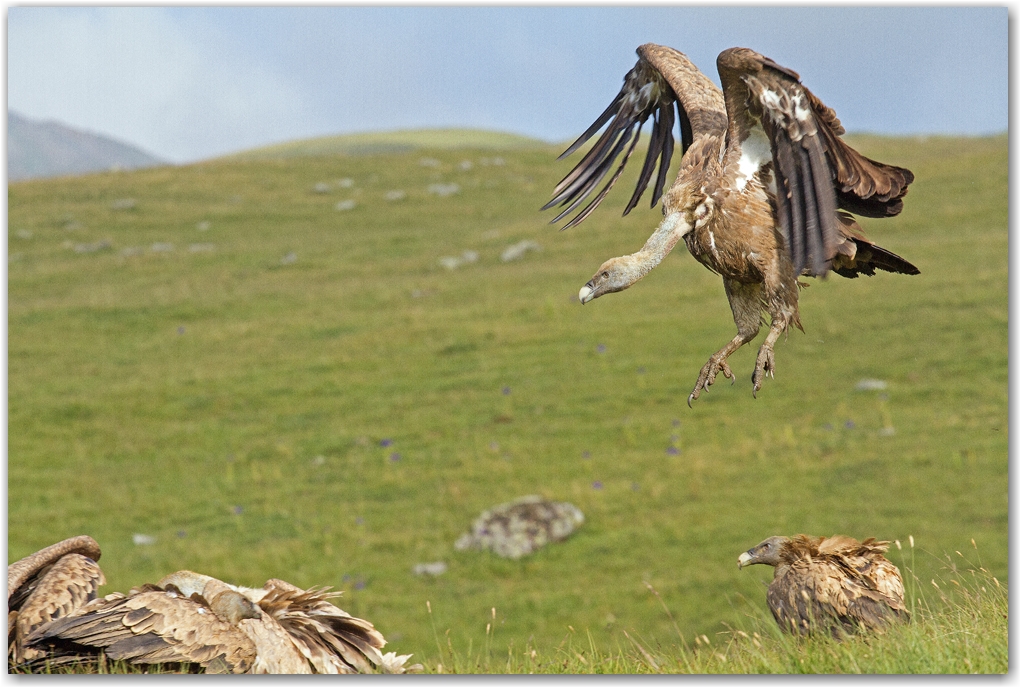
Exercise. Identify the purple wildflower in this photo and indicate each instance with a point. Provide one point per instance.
(672, 451)
(360, 584)
(394, 457)
(601, 348)
(238, 510)
(385, 442)
(586, 455)
(597, 484)
(849, 424)
(506, 391)
(180, 330)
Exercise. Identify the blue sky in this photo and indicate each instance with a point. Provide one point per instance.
(188, 83)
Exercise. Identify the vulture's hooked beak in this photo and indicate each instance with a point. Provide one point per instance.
(587, 292)
(744, 559)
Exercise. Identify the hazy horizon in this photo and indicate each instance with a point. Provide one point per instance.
(187, 83)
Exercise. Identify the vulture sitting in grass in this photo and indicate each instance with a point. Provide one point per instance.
(189, 618)
(763, 195)
(49, 584)
(834, 584)
(55, 618)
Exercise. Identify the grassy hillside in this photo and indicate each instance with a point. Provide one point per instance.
(218, 357)
(401, 141)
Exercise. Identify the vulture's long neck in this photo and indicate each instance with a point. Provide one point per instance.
(672, 228)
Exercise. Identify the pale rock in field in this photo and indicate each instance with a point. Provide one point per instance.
(321, 187)
(868, 384)
(23, 234)
(453, 262)
(204, 225)
(201, 247)
(443, 190)
(431, 569)
(395, 195)
(162, 247)
(289, 259)
(346, 205)
(429, 162)
(143, 539)
(465, 165)
(346, 182)
(124, 204)
(92, 247)
(521, 527)
(517, 251)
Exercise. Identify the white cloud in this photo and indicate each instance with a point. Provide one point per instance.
(144, 76)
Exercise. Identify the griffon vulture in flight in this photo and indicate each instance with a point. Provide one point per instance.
(49, 584)
(835, 584)
(762, 197)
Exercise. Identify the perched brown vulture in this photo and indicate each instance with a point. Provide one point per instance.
(49, 584)
(189, 618)
(762, 197)
(836, 584)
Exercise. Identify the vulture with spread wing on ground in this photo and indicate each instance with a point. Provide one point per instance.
(763, 195)
(49, 584)
(835, 584)
(189, 618)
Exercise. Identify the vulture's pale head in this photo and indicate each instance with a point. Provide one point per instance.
(233, 606)
(766, 553)
(616, 274)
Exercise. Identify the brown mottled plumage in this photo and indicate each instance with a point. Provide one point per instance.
(156, 624)
(762, 197)
(49, 584)
(192, 618)
(835, 584)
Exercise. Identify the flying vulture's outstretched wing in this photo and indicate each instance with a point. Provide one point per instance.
(661, 78)
(815, 171)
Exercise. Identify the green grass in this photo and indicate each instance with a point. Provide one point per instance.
(959, 624)
(377, 142)
(158, 392)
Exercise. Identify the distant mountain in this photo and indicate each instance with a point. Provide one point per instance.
(46, 149)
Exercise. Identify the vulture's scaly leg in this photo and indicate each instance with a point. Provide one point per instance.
(745, 302)
(781, 301)
(766, 363)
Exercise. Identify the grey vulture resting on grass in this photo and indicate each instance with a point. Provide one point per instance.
(49, 584)
(189, 618)
(763, 195)
(834, 584)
